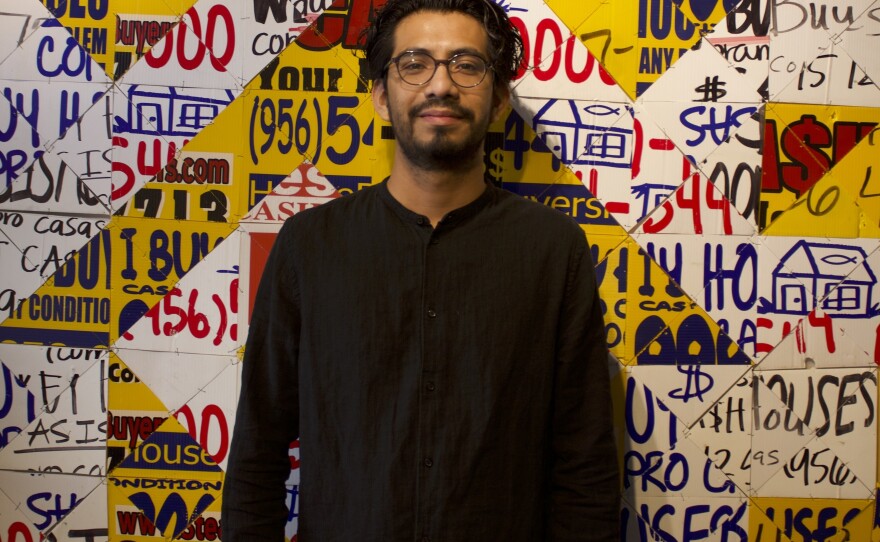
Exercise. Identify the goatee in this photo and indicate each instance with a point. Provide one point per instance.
(441, 152)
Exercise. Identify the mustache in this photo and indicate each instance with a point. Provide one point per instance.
(451, 105)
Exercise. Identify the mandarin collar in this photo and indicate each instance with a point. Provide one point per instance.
(451, 218)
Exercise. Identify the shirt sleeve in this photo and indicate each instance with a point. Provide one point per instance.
(584, 481)
(267, 418)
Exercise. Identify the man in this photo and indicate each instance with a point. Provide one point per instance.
(436, 343)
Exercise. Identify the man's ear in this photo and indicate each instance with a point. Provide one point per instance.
(380, 99)
(500, 99)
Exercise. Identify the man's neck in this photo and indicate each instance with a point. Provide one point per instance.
(435, 193)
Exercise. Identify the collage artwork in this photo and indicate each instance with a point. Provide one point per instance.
(718, 154)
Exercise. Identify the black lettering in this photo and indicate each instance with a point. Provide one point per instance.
(262, 7)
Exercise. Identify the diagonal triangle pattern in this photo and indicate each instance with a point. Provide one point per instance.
(720, 156)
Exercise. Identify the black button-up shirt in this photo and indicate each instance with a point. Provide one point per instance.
(446, 384)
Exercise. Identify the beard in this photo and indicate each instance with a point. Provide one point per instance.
(442, 151)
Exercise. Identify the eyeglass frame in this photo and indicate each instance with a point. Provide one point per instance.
(437, 62)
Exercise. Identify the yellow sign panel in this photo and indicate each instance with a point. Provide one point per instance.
(635, 41)
(116, 34)
(802, 144)
(74, 303)
(650, 320)
(827, 207)
(810, 519)
(133, 411)
(149, 257)
(163, 486)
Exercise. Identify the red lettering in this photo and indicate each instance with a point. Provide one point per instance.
(358, 19)
(119, 192)
(190, 64)
(719, 203)
(770, 164)
(760, 347)
(221, 12)
(157, 161)
(175, 40)
(545, 26)
(847, 135)
(132, 428)
(877, 346)
(214, 412)
(202, 529)
(617, 207)
(19, 528)
(128, 521)
(204, 428)
(824, 322)
(551, 54)
(584, 74)
(154, 61)
(802, 143)
(294, 461)
(692, 202)
(524, 34)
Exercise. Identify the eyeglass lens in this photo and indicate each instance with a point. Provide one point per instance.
(466, 70)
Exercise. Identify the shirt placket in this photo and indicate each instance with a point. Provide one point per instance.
(432, 329)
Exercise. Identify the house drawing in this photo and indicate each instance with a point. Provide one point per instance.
(835, 278)
(564, 127)
(170, 111)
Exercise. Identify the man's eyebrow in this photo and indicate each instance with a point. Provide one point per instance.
(469, 51)
(458, 51)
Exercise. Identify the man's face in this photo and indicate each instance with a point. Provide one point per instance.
(439, 126)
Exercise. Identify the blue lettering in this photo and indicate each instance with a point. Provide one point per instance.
(95, 9)
(689, 513)
(702, 9)
(336, 121)
(744, 273)
(719, 129)
(50, 515)
(632, 432)
(724, 523)
(727, 487)
(292, 496)
(694, 330)
(637, 465)
(73, 61)
(19, 110)
(173, 507)
(654, 342)
(657, 346)
(661, 19)
(673, 270)
(163, 260)
(11, 162)
(87, 265)
(730, 525)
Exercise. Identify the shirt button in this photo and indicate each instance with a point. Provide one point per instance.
(430, 386)
(421, 221)
(429, 462)
(432, 313)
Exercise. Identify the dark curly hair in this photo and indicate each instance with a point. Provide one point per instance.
(505, 43)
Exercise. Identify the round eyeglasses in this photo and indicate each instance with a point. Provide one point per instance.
(416, 68)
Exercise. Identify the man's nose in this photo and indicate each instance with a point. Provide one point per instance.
(441, 84)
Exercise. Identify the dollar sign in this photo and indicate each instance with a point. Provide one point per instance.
(712, 90)
(497, 159)
(698, 383)
(803, 141)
